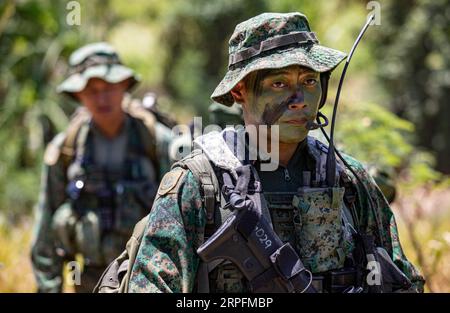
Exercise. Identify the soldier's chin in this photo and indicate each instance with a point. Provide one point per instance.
(292, 134)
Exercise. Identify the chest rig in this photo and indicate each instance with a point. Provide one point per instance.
(314, 219)
(107, 202)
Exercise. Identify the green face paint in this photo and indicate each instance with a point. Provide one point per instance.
(287, 97)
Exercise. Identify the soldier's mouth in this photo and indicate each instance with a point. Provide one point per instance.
(300, 121)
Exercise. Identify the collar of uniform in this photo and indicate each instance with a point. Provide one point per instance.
(126, 124)
(247, 152)
(297, 157)
(299, 154)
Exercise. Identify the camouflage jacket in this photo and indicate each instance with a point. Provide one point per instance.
(47, 256)
(167, 260)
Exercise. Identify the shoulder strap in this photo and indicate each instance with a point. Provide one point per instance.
(146, 128)
(136, 110)
(80, 117)
(132, 249)
(202, 170)
(116, 276)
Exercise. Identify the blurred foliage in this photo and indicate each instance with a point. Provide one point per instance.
(15, 266)
(392, 114)
(414, 47)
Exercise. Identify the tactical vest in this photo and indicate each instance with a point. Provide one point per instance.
(315, 220)
(104, 204)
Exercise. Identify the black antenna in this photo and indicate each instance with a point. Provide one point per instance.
(331, 157)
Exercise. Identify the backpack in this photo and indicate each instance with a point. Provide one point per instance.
(116, 277)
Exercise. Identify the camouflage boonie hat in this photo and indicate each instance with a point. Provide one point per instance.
(273, 40)
(96, 60)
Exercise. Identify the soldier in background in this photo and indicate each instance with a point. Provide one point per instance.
(222, 115)
(99, 176)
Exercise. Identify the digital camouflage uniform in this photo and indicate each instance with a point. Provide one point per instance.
(319, 226)
(94, 189)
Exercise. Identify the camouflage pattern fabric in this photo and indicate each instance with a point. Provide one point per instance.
(251, 34)
(167, 259)
(51, 245)
(387, 236)
(384, 178)
(318, 232)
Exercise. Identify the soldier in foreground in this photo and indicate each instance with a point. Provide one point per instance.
(99, 176)
(222, 223)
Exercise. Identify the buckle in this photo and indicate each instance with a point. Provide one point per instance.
(318, 283)
(340, 280)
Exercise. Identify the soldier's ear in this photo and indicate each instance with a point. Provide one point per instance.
(239, 93)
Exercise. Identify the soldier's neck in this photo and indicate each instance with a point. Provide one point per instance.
(287, 150)
(110, 129)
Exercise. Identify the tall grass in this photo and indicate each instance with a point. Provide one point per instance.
(15, 266)
(424, 233)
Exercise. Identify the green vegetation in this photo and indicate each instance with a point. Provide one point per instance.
(392, 116)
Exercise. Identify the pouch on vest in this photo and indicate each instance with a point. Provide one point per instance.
(79, 234)
(88, 238)
(319, 235)
(63, 225)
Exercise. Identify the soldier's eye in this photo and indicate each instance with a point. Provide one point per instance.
(310, 82)
(278, 85)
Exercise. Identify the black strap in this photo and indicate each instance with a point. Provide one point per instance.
(272, 43)
(200, 167)
(238, 199)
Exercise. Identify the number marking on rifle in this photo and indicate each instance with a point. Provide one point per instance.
(263, 238)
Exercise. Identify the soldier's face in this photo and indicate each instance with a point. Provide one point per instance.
(103, 100)
(287, 97)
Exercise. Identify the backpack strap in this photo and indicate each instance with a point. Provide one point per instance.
(63, 146)
(116, 277)
(202, 170)
(132, 249)
(350, 196)
(68, 150)
(146, 128)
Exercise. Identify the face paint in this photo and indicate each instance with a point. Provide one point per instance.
(286, 97)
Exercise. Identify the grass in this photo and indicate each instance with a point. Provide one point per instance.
(15, 270)
(425, 239)
(424, 226)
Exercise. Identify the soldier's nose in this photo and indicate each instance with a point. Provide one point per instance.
(297, 106)
(297, 101)
(101, 98)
